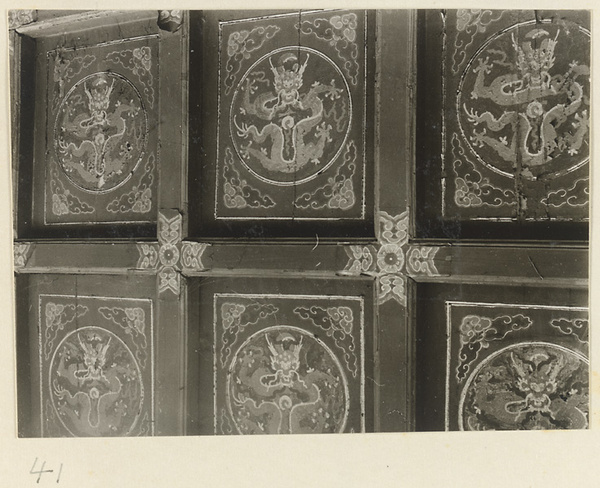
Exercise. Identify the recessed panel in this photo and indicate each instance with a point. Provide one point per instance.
(500, 357)
(287, 364)
(517, 367)
(517, 115)
(280, 356)
(101, 161)
(292, 118)
(503, 124)
(96, 364)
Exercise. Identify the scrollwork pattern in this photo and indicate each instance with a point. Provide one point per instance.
(170, 20)
(577, 195)
(338, 323)
(133, 321)
(471, 188)
(239, 46)
(469, 23)
(169, 279)
(170, 254)
(391, 287)
(338, 31)
(63, 201)
(191, 255)
(148, 256)
(577, 327)
(57, 315)
(393, 229)
(338, 192)
(17, 18)
(391, 258)
(235, 317)
(361, 260)
(226, 427)
(420, 260)
(237, 193)
(139, 62)
(65, 68)
(22, 251)
(476, 333)
(139, 199)
(169, 228)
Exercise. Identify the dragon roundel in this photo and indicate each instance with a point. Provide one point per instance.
(527, 386)
(523, 100)
(100, 133)
(284, 380)
(95, 384)
(290, 115)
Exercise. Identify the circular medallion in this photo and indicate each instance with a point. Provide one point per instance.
(527, 386)
(95, 384)
(168, 254)
(290, 115)
(523, 100)
(390, 258)
(283, 380)
(100, 132)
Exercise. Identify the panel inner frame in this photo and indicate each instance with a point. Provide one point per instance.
(203, 352)
(431, 340)
(431, 154)
(33, 42)
(203, 223)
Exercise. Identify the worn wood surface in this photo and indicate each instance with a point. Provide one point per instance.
(551, 202)
(402, 340)
(431, 335)
(212, 69)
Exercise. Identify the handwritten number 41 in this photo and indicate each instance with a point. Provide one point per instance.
(42, 471)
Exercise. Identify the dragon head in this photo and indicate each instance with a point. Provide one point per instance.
(535, 56)
(285, 354)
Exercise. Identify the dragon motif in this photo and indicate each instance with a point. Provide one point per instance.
(287, 384)
(535, 113)
(281, 126)
(528, 386)
(295, 115)
(96, 384)
(99, 143)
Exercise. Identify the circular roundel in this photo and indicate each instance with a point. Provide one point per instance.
(100, 132)
(290, 115)
(95, 384)
(523, 100)
(283, 380)
(527, 386)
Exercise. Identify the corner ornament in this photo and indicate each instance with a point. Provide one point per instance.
(391, 259)
(170, 256)
(18, 18)
(170, 20)
(22, 252)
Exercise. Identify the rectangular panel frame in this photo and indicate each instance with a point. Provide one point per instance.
(431, 160)
(205, 222)
(430, 326)
(487, 305)
(203, 294)
(93, 289)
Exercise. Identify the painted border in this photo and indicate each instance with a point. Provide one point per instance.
(358, 299)
(450, 303)
(364, 137)
(101, 298)
(99, 45)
